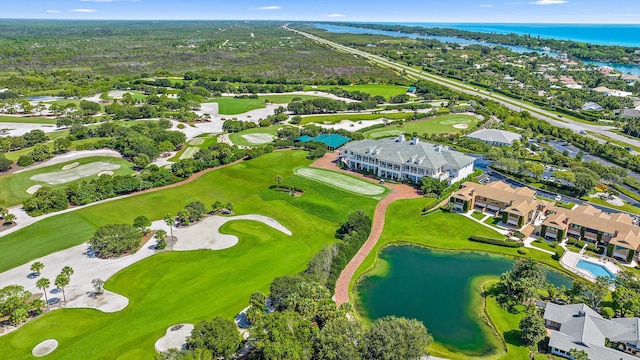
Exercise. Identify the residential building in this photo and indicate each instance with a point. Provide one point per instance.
(517, 206)
(629, 78)
(616, 231)
(399, 159)
(495, 137)
(591, 106)
(612, 92)
(577, 326)
(629, 113)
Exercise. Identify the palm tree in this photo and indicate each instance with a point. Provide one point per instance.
(37, 267)
(67, 271)
(44, 284)
(170, 220)
(278, 180)
(9, 218)
(62, 280)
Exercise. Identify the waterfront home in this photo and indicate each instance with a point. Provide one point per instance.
(577, 326)
(402, 160)
(517, 206)
(616, 231)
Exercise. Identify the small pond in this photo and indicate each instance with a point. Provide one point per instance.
(435, 288)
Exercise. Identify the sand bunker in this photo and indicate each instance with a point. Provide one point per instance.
(45, 348)
(258, 138)
(110, 173)
(461, 126)
(70, 166)
(65, 176)
(32, 190)
(206, 234)
(175, 338)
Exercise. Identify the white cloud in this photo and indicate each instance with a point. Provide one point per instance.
(486, 6)
(270, 7)
(83, 10)
(549, 2)
(335, 15)
(53, 11)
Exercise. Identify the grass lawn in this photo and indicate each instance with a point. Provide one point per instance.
(203, 140)
(547, 246)
(372, 89)
(13, 187)
(26, 120)
(342, 181)
(239, 139)
(333, 119)
(437, 125)
(177, 287)
(232, 106)
(626, 207)
(478, 215)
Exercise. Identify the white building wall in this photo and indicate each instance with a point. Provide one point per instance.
(462, 173)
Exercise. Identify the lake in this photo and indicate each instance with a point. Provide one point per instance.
(434, 287)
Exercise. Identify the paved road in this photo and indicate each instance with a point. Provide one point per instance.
(510, 103)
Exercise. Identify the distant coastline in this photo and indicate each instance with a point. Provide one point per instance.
(602, 34)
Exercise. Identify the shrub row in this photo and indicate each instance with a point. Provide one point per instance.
(499, 242)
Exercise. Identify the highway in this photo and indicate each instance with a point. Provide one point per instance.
(510, 103)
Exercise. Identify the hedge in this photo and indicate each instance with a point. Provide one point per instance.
(499, 242)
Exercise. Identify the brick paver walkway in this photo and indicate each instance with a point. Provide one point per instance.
(398, 192)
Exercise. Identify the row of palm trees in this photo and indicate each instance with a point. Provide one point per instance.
(62, 280)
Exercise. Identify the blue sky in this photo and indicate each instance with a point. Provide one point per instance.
(504, 11)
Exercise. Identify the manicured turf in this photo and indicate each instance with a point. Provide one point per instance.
(374, 89)
(209, 139)
(232, 106)
(438, 125)
(341, 181)
(25, 120)
(333, 119)
(626, 207)
(13, 187)
(238, 139)
(177, 287)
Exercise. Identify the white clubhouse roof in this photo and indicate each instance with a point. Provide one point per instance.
(493, 135)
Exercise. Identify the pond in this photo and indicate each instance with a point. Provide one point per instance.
(435, 288)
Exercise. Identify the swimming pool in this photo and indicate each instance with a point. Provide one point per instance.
(595, 269)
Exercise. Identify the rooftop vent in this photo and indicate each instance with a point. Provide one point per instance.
(401, 138)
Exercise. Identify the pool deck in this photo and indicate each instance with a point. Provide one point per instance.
(570, 260)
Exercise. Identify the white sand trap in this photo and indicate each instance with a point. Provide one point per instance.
(341, 181)
(45, 348)
(72, 155)
(197, 141)
(110, 173)
(206, 234)
(354, 125)
(258, 138)
(174, 339)
(70, 166)
(63, 177)
(32, 190)
(461, 126)
(189, 152)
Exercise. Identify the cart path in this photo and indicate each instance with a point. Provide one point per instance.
(398, 192)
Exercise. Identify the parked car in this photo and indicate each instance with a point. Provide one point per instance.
(558, 198)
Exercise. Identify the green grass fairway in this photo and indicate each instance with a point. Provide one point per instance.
(207, 140)
(341, 181)
(375, 89)
(25, 120)
(285, 99)
(334, 119)
(177, 287)
(232, 106)
(238, 139)
(437, 125)
(13, 187)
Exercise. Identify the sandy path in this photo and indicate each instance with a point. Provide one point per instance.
(398, 192)
(72, 155)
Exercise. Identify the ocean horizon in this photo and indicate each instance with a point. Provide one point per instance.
(603, 34)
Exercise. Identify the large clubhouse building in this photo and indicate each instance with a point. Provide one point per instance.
(402, 160)
(520, 209)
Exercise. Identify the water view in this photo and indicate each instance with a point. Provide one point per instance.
(434, 287)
